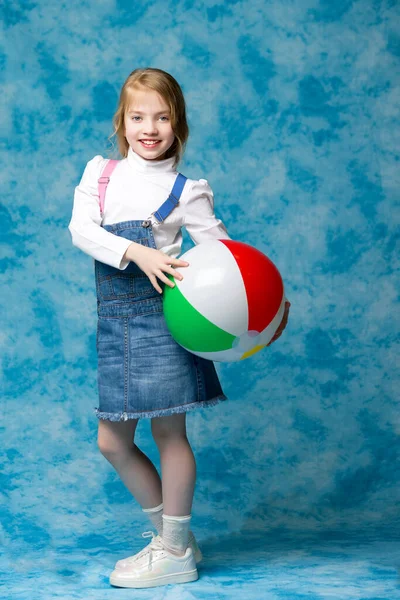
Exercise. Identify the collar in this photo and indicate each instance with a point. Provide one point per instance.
(149, 167)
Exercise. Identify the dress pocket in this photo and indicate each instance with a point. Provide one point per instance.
(130, 284)
(114, 287)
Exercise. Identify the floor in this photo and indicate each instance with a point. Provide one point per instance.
(286, 566)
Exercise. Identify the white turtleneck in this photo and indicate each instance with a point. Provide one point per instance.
(136, 189)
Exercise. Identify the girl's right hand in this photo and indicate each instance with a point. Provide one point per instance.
(153, 262)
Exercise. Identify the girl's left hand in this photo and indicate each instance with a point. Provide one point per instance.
(283, 324)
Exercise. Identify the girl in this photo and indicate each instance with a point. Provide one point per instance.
(130, 222)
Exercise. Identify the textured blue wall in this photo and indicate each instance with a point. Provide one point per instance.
(293, 110)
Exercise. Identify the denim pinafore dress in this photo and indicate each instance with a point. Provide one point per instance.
(142, 372)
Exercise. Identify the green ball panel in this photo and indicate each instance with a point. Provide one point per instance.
(188, 327)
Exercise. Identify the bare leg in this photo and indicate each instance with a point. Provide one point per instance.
(116, 443)
(178, 465)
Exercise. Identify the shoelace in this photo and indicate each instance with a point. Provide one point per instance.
(145, 550)
(154, 546)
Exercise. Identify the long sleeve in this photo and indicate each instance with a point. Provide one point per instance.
(85, 225)
(199, 218)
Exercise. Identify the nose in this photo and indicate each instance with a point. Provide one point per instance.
(150, 127)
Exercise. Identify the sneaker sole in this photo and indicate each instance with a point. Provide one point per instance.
(162, 580)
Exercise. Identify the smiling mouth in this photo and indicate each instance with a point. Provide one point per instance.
(149, 143)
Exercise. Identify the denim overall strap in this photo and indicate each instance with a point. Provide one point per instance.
(103, 181)
(173, 199)
(162, 212)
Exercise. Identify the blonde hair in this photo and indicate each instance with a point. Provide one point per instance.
(169, 89)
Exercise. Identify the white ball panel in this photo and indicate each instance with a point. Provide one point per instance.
(213, 285)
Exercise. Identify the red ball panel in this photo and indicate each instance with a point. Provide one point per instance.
(262, 281)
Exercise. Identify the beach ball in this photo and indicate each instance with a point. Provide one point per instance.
(229, 304)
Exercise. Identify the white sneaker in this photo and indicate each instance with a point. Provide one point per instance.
(156, 567)
(125, 562)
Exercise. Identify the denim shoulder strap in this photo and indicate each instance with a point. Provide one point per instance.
(104, 179)
(173, 199)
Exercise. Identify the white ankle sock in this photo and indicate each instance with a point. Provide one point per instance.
(155, 516)
(176, 533)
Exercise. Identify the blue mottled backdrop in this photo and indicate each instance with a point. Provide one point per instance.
(293, 108)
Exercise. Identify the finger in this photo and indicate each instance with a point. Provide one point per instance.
(171, 271)
(174, 273)
(178, 262)
(165, 279)
(274, 339)
(276, 335)
(154, 282)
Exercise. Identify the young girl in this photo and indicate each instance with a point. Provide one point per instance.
(130, 222)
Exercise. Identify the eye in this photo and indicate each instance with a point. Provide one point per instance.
(164, 118)
(135, 117)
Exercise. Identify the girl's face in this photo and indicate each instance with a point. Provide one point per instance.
(148, 120)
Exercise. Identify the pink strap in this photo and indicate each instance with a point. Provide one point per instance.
(104, 179)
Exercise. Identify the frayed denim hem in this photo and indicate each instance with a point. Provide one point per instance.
(159, 413)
